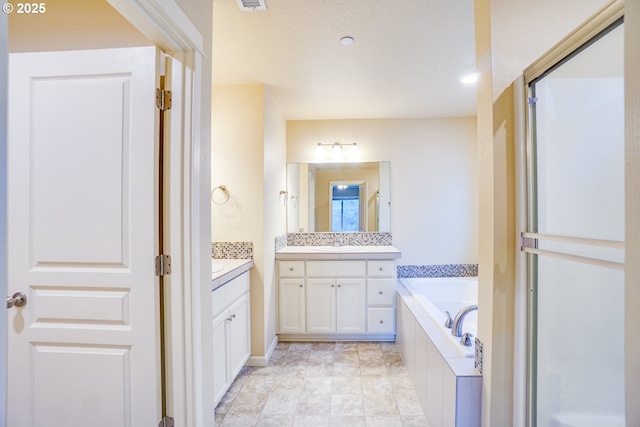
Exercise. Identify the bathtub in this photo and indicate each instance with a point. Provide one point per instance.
(438, 295)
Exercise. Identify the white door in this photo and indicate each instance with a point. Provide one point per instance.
(82, 239)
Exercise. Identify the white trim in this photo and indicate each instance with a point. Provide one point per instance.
(263, 360)
(521, 293)
(4, 78)
(585, 32)
(337, 337)
(163, 22)
(166, 25)
(632, 212)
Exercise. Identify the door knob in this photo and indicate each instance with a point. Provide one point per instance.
(19, 299)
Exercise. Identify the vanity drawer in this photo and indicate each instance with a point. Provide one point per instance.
(223, 296)
(381, 291)
(291, 268)
(381, 268)
(381, 321)
(336, 269)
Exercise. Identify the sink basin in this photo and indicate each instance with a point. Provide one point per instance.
(215, 267)
(335, 248)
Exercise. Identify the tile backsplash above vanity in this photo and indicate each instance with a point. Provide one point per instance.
(232, 250)
(338, 239)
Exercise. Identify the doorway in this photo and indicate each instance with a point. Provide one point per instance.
(575, 237)
(164, 24)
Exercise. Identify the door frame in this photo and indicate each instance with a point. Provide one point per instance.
(166, 25)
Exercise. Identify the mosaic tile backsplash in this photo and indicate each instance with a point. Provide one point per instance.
(232, 250)
(281, 242)
(441, 270)
(478, 355)
(343, 239)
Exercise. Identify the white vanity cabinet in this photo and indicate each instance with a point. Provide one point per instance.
(336, 298)
(231, 332)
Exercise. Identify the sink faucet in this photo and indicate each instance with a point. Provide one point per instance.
(456, 328)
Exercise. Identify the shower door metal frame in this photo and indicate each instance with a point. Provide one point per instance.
(599, 25)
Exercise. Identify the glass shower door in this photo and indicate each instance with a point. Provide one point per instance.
(575, 239)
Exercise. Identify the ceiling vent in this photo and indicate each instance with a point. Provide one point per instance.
(250, 5)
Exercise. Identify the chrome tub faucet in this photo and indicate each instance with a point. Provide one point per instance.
(456, 327)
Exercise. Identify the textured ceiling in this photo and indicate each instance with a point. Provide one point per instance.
(404, 63)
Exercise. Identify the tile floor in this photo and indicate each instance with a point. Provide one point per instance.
(324, 384)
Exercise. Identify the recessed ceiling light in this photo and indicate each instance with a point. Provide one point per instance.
(346, 41)
(468, 79)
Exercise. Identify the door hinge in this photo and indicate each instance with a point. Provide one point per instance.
(163, 99)
(533, 100)
(166, 422)
(163, 265)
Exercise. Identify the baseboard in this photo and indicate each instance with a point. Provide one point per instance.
(337, 337)
(263, 360)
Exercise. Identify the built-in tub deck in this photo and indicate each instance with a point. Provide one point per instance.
(448, 385)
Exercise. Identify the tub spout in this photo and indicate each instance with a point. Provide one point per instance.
(456, 328)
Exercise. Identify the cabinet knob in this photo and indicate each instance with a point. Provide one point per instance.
(332, 286)
(290, 268)
(381, 321)
(380, 268)
(380, 292)
(300, 285)
(339, 286)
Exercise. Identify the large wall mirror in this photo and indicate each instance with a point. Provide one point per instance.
(338, 197)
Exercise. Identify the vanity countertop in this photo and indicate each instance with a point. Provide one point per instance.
(338, 252)
(230, 268)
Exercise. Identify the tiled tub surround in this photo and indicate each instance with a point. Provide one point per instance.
(439, 270)
(448, 386)
(324, 384)
(232, 250)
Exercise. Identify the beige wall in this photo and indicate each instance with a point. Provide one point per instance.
(72, 25)
(433, 178)
(275, 215)
(247, 156)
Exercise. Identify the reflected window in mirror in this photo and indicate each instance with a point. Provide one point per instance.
(345, 208)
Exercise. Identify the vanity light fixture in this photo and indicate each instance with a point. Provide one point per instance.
(336, 148)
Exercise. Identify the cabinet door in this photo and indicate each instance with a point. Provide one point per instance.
(291, 306)
(351, 306)
(221, 378)
(321, 306)
(238, 335)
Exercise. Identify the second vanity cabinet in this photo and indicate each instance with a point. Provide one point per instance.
(231, 332)
(325, 299)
